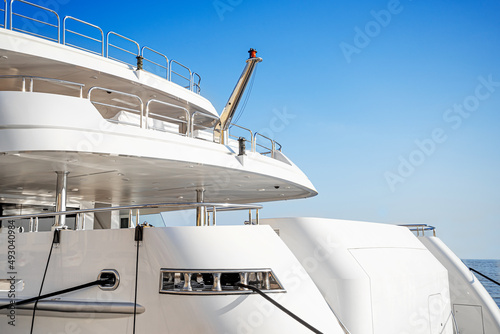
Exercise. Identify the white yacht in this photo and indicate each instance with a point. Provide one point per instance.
(100, 135)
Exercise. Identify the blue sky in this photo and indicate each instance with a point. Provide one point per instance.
(395, 104)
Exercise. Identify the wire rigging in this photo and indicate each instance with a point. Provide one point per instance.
(55, 240)
(281, 307)
(247, 97)
(139, 230)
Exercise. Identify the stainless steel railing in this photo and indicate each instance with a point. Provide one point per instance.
(108, 45)
(185, 120)
(45, 23)
(84, 36)
(193, 121)
(420, 228)
(31, 20)
(161, 55)
(4, 11)
(120, 106)
(31, 81)
(134, 212)
(271, 150)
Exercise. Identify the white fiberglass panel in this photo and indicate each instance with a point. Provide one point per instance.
(366, 271)
(473, 306)
(401, 282)
(81, 255)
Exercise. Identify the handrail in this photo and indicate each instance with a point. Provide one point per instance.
(141, 111)
(196, 113)
(33, 78)
(83, 35)
(243, 128)
(196, 85)
(190, 79)
(58, 26)
(155, 63)
(108, 44)
(171, 205)
(4, 10)
(420, 227)
(194, 78)
(255, 144)
(144, 114)
(187, 121)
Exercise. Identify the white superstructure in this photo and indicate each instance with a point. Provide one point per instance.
(91, 142)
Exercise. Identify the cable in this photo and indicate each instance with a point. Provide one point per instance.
(278, 305)
(138, 238)
(477, 272)
(60, 292)
(55, 240)
(247, 97)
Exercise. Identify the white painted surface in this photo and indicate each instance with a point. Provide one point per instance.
(471, 302)
(82, 254)
(42, 133)
(377, 278)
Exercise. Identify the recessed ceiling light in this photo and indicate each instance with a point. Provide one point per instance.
(74, 189)
(262, 189)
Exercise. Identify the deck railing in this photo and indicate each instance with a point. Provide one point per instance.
(134, 212)
(3, 13)
(150, 61)
(40, 18)
(67, 31)
(420, 228)
(36, 20)
(30, 80)
(195, 124)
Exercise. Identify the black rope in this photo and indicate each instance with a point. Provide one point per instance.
(138, 238)
(60, 292)
(477, 272)
(278, 305)
(55, 239)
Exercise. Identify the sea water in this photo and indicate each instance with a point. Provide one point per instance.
(490, 268)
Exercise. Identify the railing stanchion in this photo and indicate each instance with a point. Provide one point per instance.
(214, 215)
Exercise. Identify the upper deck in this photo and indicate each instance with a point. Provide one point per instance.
(125, 135)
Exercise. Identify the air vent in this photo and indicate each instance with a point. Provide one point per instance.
(212, 282)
